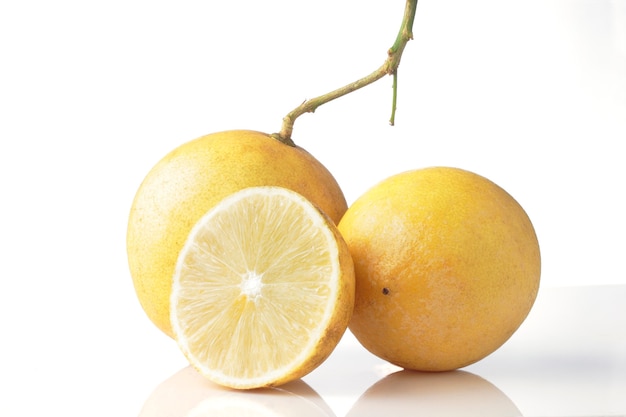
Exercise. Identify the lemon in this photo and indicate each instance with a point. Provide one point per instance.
(447, 267)
(263, 289)
(194, 177)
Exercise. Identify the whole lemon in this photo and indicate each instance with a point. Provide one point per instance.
(447, 268)
(194, 177)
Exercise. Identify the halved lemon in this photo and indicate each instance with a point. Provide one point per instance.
(263, 289)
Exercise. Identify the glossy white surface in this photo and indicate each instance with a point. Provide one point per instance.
(567, 359)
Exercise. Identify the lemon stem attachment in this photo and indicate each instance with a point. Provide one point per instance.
(389, 67)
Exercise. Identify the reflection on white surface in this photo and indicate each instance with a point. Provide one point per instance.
(188, 394)
(567, 359)
(455, 393)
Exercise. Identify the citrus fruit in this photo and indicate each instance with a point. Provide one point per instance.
(263, 289)
(447, 267)
(190, 180)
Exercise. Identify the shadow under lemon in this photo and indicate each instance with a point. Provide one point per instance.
(453, 393)
(189, 394)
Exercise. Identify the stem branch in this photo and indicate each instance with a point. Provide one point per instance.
(389, 67)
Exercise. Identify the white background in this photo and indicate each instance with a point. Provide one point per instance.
(92, 94)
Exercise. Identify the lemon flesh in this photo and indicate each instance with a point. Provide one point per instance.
(263, 289)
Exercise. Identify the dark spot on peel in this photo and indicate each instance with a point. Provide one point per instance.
(385, 291)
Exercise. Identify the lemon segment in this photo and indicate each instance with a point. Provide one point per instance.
(263, 289)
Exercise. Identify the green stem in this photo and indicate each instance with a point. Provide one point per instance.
(389, 67)
(394, 101)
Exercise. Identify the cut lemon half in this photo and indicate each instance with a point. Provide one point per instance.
(263, 289)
